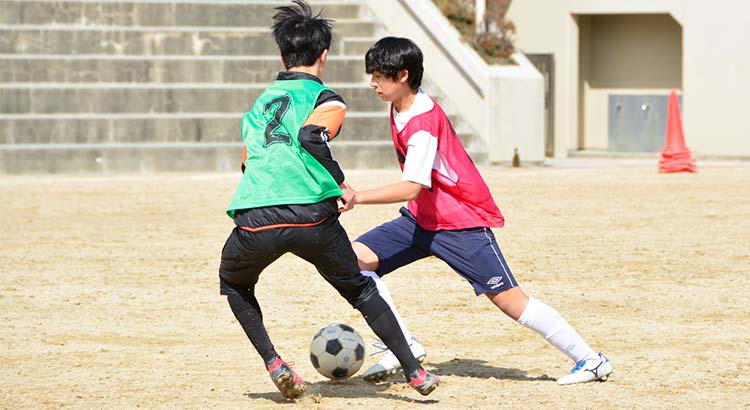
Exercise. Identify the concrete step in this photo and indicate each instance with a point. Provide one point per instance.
(149, 158)
(166, 13)
(186, 128)
(159, 98)
(164, 128)
(357, 46)
(161, 69)
(140, 40)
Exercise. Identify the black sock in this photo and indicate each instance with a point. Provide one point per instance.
(379, 316)
(247, 311)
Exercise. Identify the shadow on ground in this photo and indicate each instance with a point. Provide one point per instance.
(351, 389)
(480, 369)
(357, 387)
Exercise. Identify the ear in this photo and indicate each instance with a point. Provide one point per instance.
(323, 56)
(403, 76)
(282, 61)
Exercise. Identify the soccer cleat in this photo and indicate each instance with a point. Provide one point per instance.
(388, 365)
(588, 370)
(423, 381)
(286, 380)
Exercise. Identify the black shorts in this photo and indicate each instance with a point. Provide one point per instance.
(325, 245)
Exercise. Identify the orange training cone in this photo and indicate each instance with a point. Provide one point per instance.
(676, 156)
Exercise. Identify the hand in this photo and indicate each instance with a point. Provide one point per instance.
(348, 197)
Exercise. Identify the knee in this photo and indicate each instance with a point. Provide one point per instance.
(512, 302)
(366, 258)
(229, 288)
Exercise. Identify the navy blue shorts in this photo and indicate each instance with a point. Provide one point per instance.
(472, 253)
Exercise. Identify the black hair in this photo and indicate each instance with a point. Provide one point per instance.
(393, 54)
(301, 37)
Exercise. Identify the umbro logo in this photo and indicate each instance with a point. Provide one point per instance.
(495, 282)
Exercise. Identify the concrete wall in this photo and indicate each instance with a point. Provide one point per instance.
(716, 65)
(635, 51)
(514, 103)
(713, 71)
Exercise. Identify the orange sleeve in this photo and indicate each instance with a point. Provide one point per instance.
(329, 115)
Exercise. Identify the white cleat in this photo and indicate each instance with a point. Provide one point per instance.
(388, 365)
(588, 370)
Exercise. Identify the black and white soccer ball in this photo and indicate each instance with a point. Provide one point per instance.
(337, 351)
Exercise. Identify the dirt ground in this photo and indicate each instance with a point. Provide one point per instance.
(109, 296)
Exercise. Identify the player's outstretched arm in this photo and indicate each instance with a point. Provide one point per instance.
(389, 194)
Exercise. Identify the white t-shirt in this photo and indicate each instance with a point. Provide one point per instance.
(422, 155)
(422, 146)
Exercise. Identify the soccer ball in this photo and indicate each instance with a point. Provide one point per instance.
(337, 351)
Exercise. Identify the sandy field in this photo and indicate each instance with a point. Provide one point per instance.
(109, 296)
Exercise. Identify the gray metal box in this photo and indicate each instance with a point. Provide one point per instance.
(637, 123)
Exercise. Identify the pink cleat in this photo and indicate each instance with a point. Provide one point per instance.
(286, 380)
(423, 381)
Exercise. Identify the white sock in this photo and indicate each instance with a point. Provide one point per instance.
(386, 295)
(543, 319)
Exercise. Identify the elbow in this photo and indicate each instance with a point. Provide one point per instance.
(413, 193)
